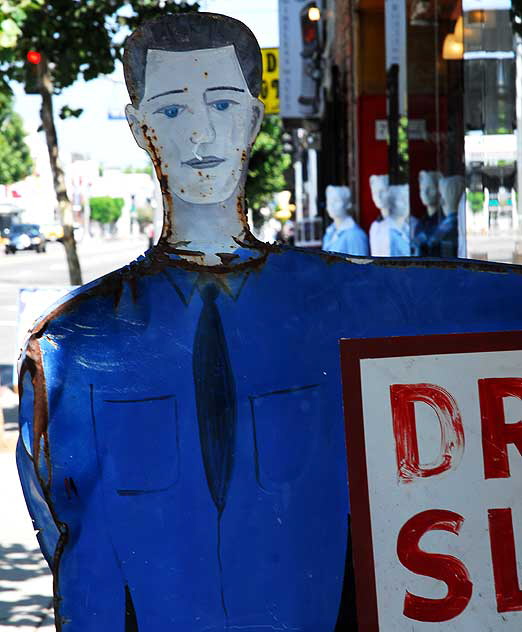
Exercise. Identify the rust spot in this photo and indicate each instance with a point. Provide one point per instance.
(227, 257)
(206, 74)
(243, 155)
(200, 174)
(70, 487)
(33, 364)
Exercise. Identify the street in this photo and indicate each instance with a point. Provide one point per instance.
(25, 581)
(32, 270)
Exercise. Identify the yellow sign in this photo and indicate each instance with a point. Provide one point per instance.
(270, 85)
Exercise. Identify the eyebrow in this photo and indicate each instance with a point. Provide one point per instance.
(162, 94)
(225, 88)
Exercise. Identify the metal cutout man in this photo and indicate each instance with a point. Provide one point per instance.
(182, 447)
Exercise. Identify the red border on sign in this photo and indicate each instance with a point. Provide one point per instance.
(352, 352)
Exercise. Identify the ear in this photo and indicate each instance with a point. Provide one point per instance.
(133, 119)
(258, 112)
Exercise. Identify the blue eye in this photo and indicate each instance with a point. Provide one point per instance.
(172, 111)
(221, 106)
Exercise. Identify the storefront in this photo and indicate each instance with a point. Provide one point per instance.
(424, 93)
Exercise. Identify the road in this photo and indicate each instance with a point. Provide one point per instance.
(32, 270)
(25, 581)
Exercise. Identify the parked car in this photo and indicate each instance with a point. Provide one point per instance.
(24, 237)
(52, 232)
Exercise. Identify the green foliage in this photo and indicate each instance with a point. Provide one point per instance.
(268, 164)
(76, 37)
(106, 210)
(476, 201)
(147, 169)
(12, 16)
(15, 158)
(68, 112)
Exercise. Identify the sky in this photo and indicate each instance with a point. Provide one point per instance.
(109, 142)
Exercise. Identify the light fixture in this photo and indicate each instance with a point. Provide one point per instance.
(453, 47)
(478, 16)
(314, 14)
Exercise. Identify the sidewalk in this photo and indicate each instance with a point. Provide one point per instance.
(25, 580)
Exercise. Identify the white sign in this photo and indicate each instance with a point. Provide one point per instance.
(299, 57)
(489, 5)
(444, 480)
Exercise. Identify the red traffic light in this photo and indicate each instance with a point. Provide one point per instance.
(34, 57)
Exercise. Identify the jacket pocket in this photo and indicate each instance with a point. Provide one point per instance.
(137, 441)
(285, 427)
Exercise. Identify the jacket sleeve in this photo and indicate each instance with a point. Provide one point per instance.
(59, 477)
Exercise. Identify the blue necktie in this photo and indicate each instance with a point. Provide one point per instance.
(216, 404)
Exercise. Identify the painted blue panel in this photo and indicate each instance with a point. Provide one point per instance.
(170, 522)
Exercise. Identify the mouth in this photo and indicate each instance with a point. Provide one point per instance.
(207, 162)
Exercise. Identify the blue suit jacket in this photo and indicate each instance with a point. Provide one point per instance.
(110, 455)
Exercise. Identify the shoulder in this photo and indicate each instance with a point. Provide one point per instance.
(92, 308)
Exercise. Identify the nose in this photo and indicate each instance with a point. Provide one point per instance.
(202, 129)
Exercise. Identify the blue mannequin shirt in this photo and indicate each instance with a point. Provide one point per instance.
(348, 239)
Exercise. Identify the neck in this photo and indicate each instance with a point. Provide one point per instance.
(202, 232)
(431, 209)
(398, 220)
(340, 221)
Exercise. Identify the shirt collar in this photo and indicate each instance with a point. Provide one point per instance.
(348, 224)
(185, 280)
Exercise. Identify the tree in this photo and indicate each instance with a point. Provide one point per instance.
(106, 210)
(268, 163)
(74, 38)
(15, 158)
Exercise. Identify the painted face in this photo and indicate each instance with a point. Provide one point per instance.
(199, 119)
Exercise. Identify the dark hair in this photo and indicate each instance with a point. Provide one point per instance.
(185, 32)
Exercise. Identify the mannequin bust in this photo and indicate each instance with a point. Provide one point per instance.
(444, 242)
(343, 235)
(451, 190)
(399, 201)
(430, 197)
(379, 230)
(429, 190)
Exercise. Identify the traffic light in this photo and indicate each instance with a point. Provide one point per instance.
(32, 72)
(310, 16)
(288, 143)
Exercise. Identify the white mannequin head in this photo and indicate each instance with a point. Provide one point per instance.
(451, 190)
(338, 201)
(379, 188)
(399, 200)
(429, 190)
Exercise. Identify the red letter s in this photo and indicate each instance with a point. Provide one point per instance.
(446, 568)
